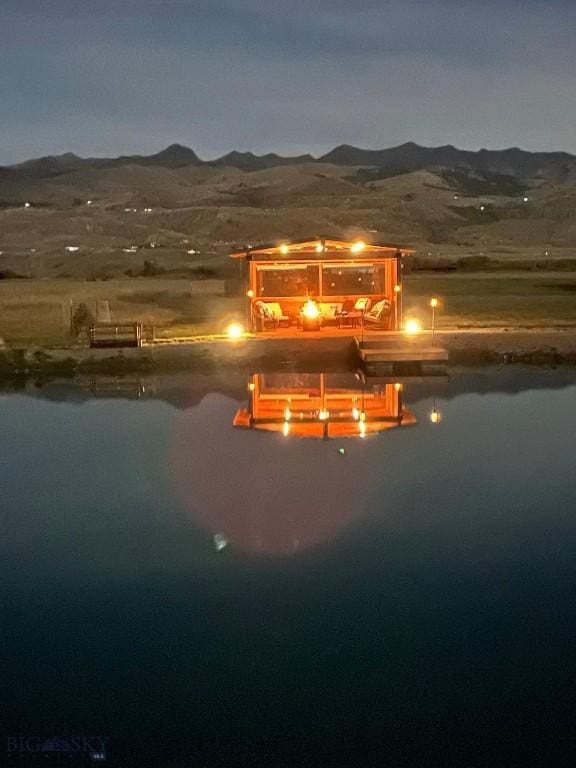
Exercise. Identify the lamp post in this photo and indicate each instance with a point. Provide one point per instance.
(433, 305)
(397, 289)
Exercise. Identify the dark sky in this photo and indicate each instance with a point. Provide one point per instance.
(101, 77)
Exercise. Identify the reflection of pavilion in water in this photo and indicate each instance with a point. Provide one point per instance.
(322, 405)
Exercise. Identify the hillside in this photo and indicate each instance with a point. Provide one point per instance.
(117, 212)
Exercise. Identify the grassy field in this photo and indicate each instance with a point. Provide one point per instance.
(38, 311)
(521, 299)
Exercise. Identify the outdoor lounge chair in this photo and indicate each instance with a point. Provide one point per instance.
(330, 312)
(263, 317)
(277, 313)
(378, 317)
(269, 315)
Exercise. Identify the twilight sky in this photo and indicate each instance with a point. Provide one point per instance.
(128, 76)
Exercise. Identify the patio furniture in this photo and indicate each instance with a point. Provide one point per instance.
(349, 319)
(263, 317)
(379, 316)
(330, 312)
(277, 313)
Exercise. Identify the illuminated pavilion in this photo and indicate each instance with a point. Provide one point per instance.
(314, 283)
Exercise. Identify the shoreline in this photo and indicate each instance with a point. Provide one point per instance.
(546, 347)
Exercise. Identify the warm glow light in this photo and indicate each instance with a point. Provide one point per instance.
(358, 246)
(433, 302)
(235, 331)
(311, 309)
(286, 429)
(362, 428)
(319, 248)
(324, 415)
(435, 416)
(251, 386)
(397, 289)
(287, 414)
(355, 413)
(398, 387)
(362, 415)
(250, 293)
(412, 327)
(284, 248)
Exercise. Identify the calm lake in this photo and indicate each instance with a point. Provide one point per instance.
(291, 570)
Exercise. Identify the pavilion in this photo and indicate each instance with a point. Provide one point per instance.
(315, 283)
(322, 405)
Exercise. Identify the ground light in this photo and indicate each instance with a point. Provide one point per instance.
(412, 327)
(235, 331)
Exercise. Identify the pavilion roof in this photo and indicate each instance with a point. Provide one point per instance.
(319, 247)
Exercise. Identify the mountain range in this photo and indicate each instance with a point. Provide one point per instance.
(406, 158)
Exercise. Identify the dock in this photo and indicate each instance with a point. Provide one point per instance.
(391, 353)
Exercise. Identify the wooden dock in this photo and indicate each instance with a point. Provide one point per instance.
(392, 354)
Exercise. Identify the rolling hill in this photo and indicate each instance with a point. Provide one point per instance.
(118, 212)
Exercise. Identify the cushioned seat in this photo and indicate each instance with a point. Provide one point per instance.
(379, 315)
(330, 311)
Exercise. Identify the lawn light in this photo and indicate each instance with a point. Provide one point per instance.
(235, 331)
(412, 327)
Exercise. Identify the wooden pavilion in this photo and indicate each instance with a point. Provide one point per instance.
(315, 283)
(322, 405)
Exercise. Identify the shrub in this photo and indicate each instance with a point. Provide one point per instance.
(82, 319)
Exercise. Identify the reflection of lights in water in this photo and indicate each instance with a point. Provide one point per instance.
(220, 542)
(362, 428)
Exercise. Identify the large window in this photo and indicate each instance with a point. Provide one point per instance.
(299, 281)
(353, 280)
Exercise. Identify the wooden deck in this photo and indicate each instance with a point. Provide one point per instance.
(396, 353)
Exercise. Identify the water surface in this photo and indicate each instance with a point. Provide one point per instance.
(204, 594)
